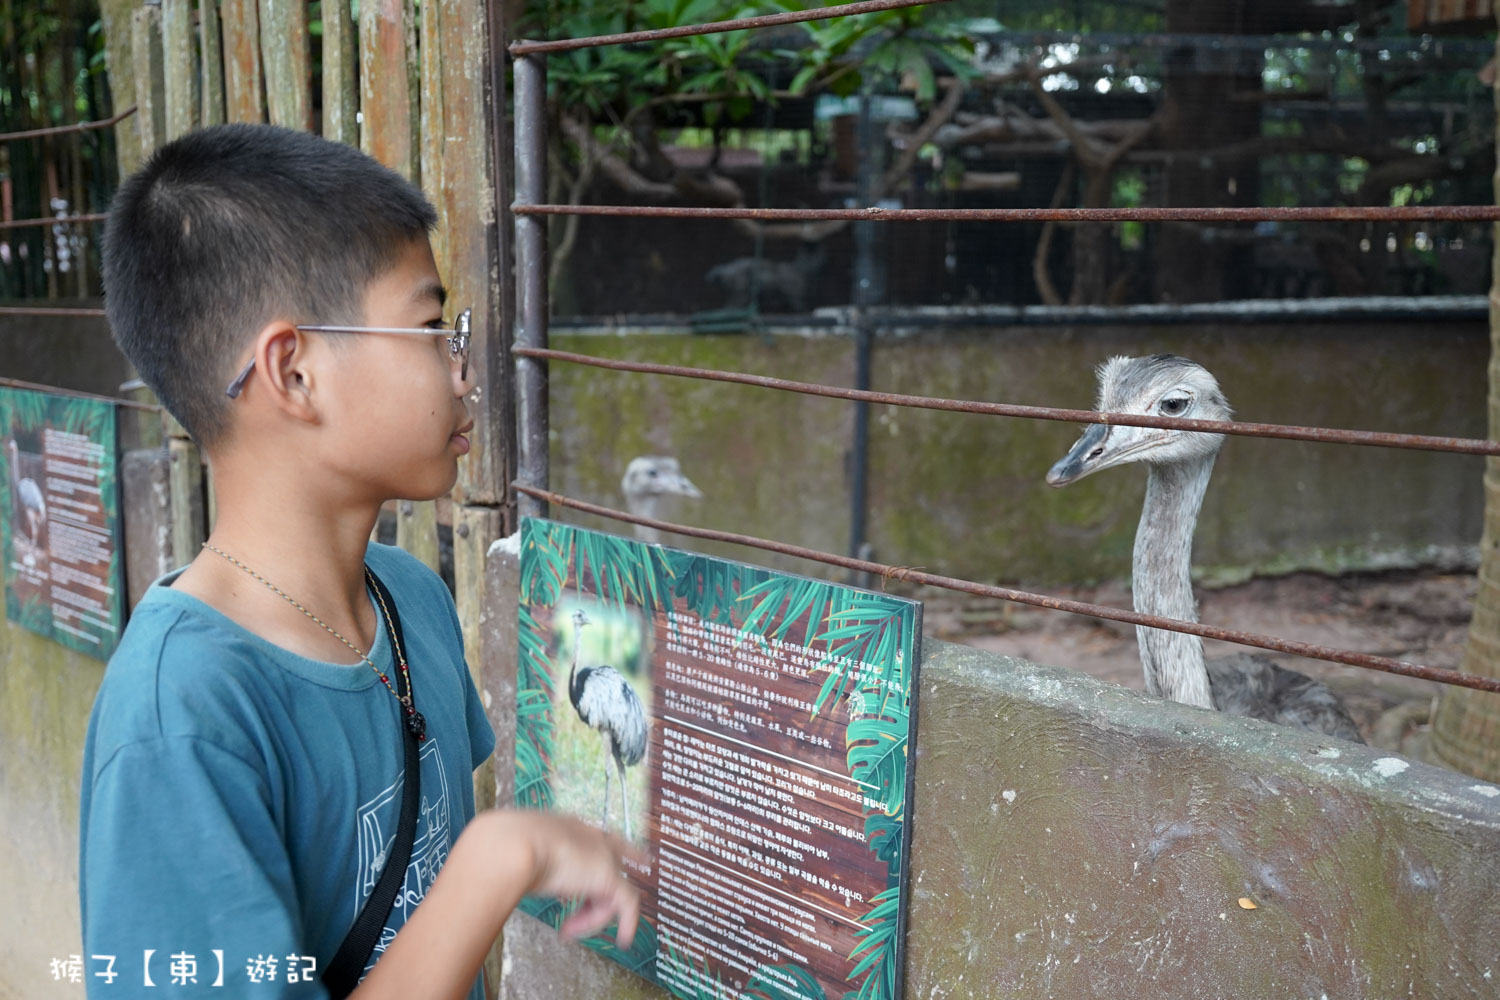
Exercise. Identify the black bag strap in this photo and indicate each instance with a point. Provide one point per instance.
(343, 971)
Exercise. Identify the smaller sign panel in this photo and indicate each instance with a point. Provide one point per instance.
(749, 730)
(60, 519)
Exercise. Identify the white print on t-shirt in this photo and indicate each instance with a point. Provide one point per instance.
(376, 823)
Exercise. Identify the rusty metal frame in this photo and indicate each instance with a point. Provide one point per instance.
(908, 574)
(50, 311)
(15, 383)
(532, 354)
(54, 220)
(36, 133)
(1319, 213)
(1290, 432)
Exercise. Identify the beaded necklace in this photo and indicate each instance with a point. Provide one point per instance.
(414, 720)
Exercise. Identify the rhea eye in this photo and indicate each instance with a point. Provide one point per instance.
(1172, 407)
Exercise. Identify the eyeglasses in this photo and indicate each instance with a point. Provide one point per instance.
(458, 344)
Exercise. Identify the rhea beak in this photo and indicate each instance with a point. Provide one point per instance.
(1086, 456)
(683, 486)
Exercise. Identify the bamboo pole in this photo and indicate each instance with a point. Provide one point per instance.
(286, 55)
(244, 90)
(180, 67)
(211, 48)
(340, 65)
(150, 81)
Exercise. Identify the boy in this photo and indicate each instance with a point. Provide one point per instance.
(245, 759)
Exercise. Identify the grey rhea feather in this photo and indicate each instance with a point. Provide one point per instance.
(1179, 465)
(606, 703)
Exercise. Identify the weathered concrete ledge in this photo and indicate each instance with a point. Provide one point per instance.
(1077, 839)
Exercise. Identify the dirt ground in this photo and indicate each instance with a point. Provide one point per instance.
(1419, 617)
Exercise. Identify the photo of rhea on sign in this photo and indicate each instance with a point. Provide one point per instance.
(750, 730)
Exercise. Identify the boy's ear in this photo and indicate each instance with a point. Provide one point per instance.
(282, 355)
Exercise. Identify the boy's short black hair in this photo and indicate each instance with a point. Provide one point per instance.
(230, 227)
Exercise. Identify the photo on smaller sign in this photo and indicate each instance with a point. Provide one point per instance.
(603, 713)
(28, 513)
(60, 519)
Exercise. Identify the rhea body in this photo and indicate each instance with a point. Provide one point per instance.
(606, 703)
(1179, 465)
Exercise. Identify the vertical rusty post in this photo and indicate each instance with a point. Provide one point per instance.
(497, 374)
(531, 276)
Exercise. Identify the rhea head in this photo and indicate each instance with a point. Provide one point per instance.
(1162, 385)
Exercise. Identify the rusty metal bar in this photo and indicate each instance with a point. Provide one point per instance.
(15, 383)
(909, 575)
(60, 311)
(1322, 435)
(1266, 213)
(31, 223)
(526, 48)
(64, 129)
(531, 279)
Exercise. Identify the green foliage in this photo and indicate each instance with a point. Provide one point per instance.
(875, 954)
(883, 833)
(639, 958)
(727, 71)
(710, 587)
(768, 983)
(534, 726)
(701, 986)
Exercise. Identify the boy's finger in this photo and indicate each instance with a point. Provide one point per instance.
(589, 919)
(629, 908)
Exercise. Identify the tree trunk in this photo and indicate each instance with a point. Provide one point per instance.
(1201, 113)
(1466, 727)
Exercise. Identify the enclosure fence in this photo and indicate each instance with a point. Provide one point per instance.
(533, 355)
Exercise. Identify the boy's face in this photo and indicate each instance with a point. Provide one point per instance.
(401, 419)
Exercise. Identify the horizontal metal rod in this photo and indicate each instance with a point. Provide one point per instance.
(15, 383)
(523, 48)
(1263, 213)
(45, 311)
(1322, 435)
(909, 575)
(36, 133)
(31, 223)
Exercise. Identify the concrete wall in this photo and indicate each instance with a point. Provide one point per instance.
(46, 692)
(1076, 839)
(964, 494)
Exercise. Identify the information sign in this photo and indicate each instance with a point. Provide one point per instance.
(60, 519)
(750, 731)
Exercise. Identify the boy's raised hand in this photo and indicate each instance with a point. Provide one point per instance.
(501, 855)
(574, 860)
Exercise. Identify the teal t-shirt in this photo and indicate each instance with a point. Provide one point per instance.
(239, 800)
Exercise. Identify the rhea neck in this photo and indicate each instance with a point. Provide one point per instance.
(573, 686)
(644, 505)
(1162, 584)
